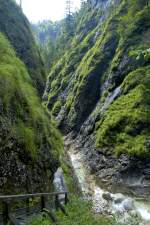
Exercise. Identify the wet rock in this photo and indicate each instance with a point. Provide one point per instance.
(128, 204)
(100, 206)
(118, 198)
(147, 171)
(125, 172)
(134, 214)
(107, 196)
(104, 202)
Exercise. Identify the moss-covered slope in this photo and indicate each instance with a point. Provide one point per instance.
(81, 86)
(125, 127)
(65, 80)
(29, 142)
(16, 27)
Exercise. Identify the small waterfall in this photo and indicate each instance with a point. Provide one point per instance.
(59, 183)
(110, 98)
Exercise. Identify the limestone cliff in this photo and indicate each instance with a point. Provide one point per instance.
(99, 90)
(29, 142)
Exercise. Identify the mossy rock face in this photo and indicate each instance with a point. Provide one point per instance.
(125, 126)
(89, 76)
(29, 141)
(64, 77)
(16, 27)
(100, 61)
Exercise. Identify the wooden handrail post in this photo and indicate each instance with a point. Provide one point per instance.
(6, 212)
(56, 201)
(27, 205)
(42, 202)
(66, 198)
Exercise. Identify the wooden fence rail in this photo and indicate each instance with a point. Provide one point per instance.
(8, 201)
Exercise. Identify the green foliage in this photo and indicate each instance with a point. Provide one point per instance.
(57, 38)
(82, 61)
(40, 219)
(22, 115)
(104, 54)
(141, 54)
(69, 101)
(25, 136)
(64, 69)
(105, 94)
(46, 34)
(125, 126)
(79, 212)
(56, 108)
(82, 215)
(68, 174)
(16, 27)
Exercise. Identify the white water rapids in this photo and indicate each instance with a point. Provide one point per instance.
(124, 207)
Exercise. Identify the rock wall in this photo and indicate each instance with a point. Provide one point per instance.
(98, 91)
(16, 27)
(29, 141)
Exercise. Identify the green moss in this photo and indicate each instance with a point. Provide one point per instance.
(104, 96)
(66, 66)
(89, 76)
(25, 136)
(16, 27)
(68, 174)
(40, 219)
(57, 107)
(28, 123)
(69, 101)
(101, 56)
(125, 126)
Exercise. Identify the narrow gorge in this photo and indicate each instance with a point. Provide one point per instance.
(98, 92)
(75, 109)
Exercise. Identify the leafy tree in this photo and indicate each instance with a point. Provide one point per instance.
(46, 33)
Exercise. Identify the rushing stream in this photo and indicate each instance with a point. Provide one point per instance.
(125, 208)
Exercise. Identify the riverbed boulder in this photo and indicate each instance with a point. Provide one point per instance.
(107, 196)
(128, 204)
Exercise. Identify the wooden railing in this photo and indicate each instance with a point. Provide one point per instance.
(9, 200)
